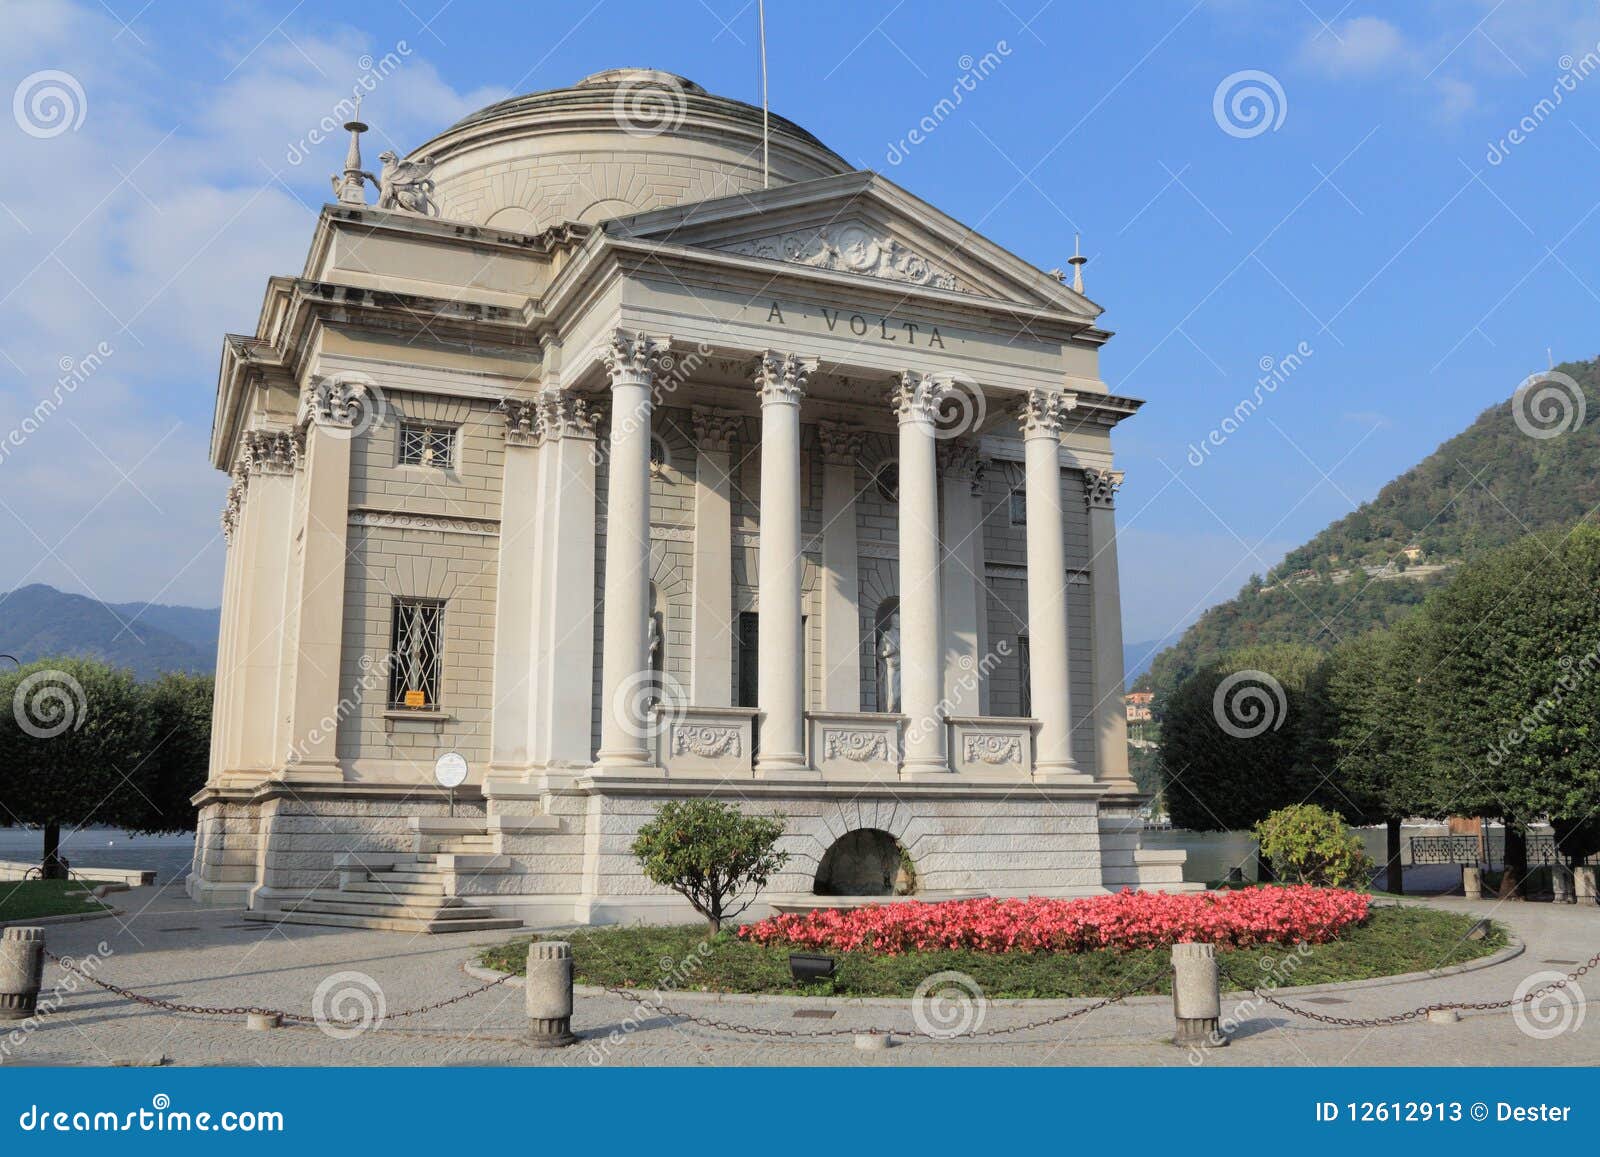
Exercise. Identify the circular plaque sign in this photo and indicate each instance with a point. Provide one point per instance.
(450, 769)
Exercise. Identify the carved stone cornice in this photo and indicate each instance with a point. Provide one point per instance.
(404, 520)
(715, 429)
(1045, 411)
(632, 358)
(916, 397)
(1100, 488)
(781, 378)
(842, 444)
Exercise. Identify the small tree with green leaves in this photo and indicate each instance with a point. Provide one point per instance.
(710, 853)
(1310, 845)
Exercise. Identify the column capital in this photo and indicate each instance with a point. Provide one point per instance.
(341, 404)
(632, 357)
(958, 458)
(916, 397)
(842, 444)
(715, 429)
(563, 414)
(1044, 412)
(232, 509)
(269, 452)
(781, 378)
(522, 421)
(1100, 488)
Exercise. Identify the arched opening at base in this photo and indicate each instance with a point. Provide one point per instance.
(865, 862)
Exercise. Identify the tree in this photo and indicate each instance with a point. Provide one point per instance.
(180, 710)
(1310, 845)
(1367, 733)
(709, 852)
(1514, 677)
(1232, 739)
(74, 749)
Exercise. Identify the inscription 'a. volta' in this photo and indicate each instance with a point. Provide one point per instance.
(880, 326)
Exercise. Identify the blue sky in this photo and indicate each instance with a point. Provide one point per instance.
(1365, 223)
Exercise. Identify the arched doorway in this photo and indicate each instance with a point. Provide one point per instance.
(865, 862)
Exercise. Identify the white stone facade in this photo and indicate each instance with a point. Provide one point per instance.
(675, 496)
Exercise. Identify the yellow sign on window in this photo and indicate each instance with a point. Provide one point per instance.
(416, 698)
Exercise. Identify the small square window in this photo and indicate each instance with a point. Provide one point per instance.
(1019, 508)
(426, 445)
(416, 648)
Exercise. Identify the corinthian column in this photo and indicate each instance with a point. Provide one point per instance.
(1110, 715)
(966, 684)
(1049, 673)
(916, 401)
(711, 631)
(780, 671)
(625, 663)
(841, 589)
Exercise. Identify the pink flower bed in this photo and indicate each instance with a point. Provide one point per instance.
(1123, 920)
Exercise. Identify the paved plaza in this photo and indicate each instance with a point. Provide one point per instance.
(166, 947)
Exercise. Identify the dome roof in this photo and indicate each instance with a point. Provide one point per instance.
(621, 141)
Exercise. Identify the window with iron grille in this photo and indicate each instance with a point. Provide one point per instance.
(416, 648)
(1018, 508)
(425, 445)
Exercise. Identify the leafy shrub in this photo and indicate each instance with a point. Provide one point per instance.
(709, 852)
(1310, 845)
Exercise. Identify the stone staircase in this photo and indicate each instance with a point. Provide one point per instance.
(406, 893)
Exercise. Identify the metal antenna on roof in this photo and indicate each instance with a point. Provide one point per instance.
(761, 16)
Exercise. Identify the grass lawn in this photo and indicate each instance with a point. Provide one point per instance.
(1390, 941)
(29, 899)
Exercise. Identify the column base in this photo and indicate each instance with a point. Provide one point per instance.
(785, 767)
(623, 766)
(914, 772)
(1062, 774)
(309, 773)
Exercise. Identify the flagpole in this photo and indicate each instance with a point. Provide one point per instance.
(761, 14)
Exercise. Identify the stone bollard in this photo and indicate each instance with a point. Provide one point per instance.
(1583, 882)
(21, 971)
(549, 994)
(1196, 996)
(1471, 883)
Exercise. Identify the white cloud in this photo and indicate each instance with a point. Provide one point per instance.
(152, 229)
(1361, 45)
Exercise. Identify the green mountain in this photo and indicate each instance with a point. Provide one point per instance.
(38, 622)
(1491, 484)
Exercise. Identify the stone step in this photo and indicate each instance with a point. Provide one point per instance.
(431, 900)
(391, 887)
(432, 879)
(422, 911)
(474, 864)
(488, 923)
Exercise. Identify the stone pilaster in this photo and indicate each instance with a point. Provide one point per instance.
(711, 633)
(515, 674)
(780, 382)
(841, 587)
(966, 689)
(1110, 714)
(1041, 420)
(915, 400)
(267, 466)
(625, 728)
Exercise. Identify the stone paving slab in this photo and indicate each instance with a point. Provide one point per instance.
(167, 947)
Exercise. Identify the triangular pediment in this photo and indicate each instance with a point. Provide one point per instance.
(857, 224)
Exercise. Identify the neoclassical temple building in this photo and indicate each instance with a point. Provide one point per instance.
(629, 471)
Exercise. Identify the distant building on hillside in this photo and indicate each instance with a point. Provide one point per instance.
(1138, 704)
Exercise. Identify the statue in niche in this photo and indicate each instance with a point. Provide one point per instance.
(889, 666)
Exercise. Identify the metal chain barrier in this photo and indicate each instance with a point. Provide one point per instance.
(1415, 1013)
(245, 1010)
(633, 995)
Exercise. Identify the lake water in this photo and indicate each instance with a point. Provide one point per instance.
(1211, 854)
(168, 856)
